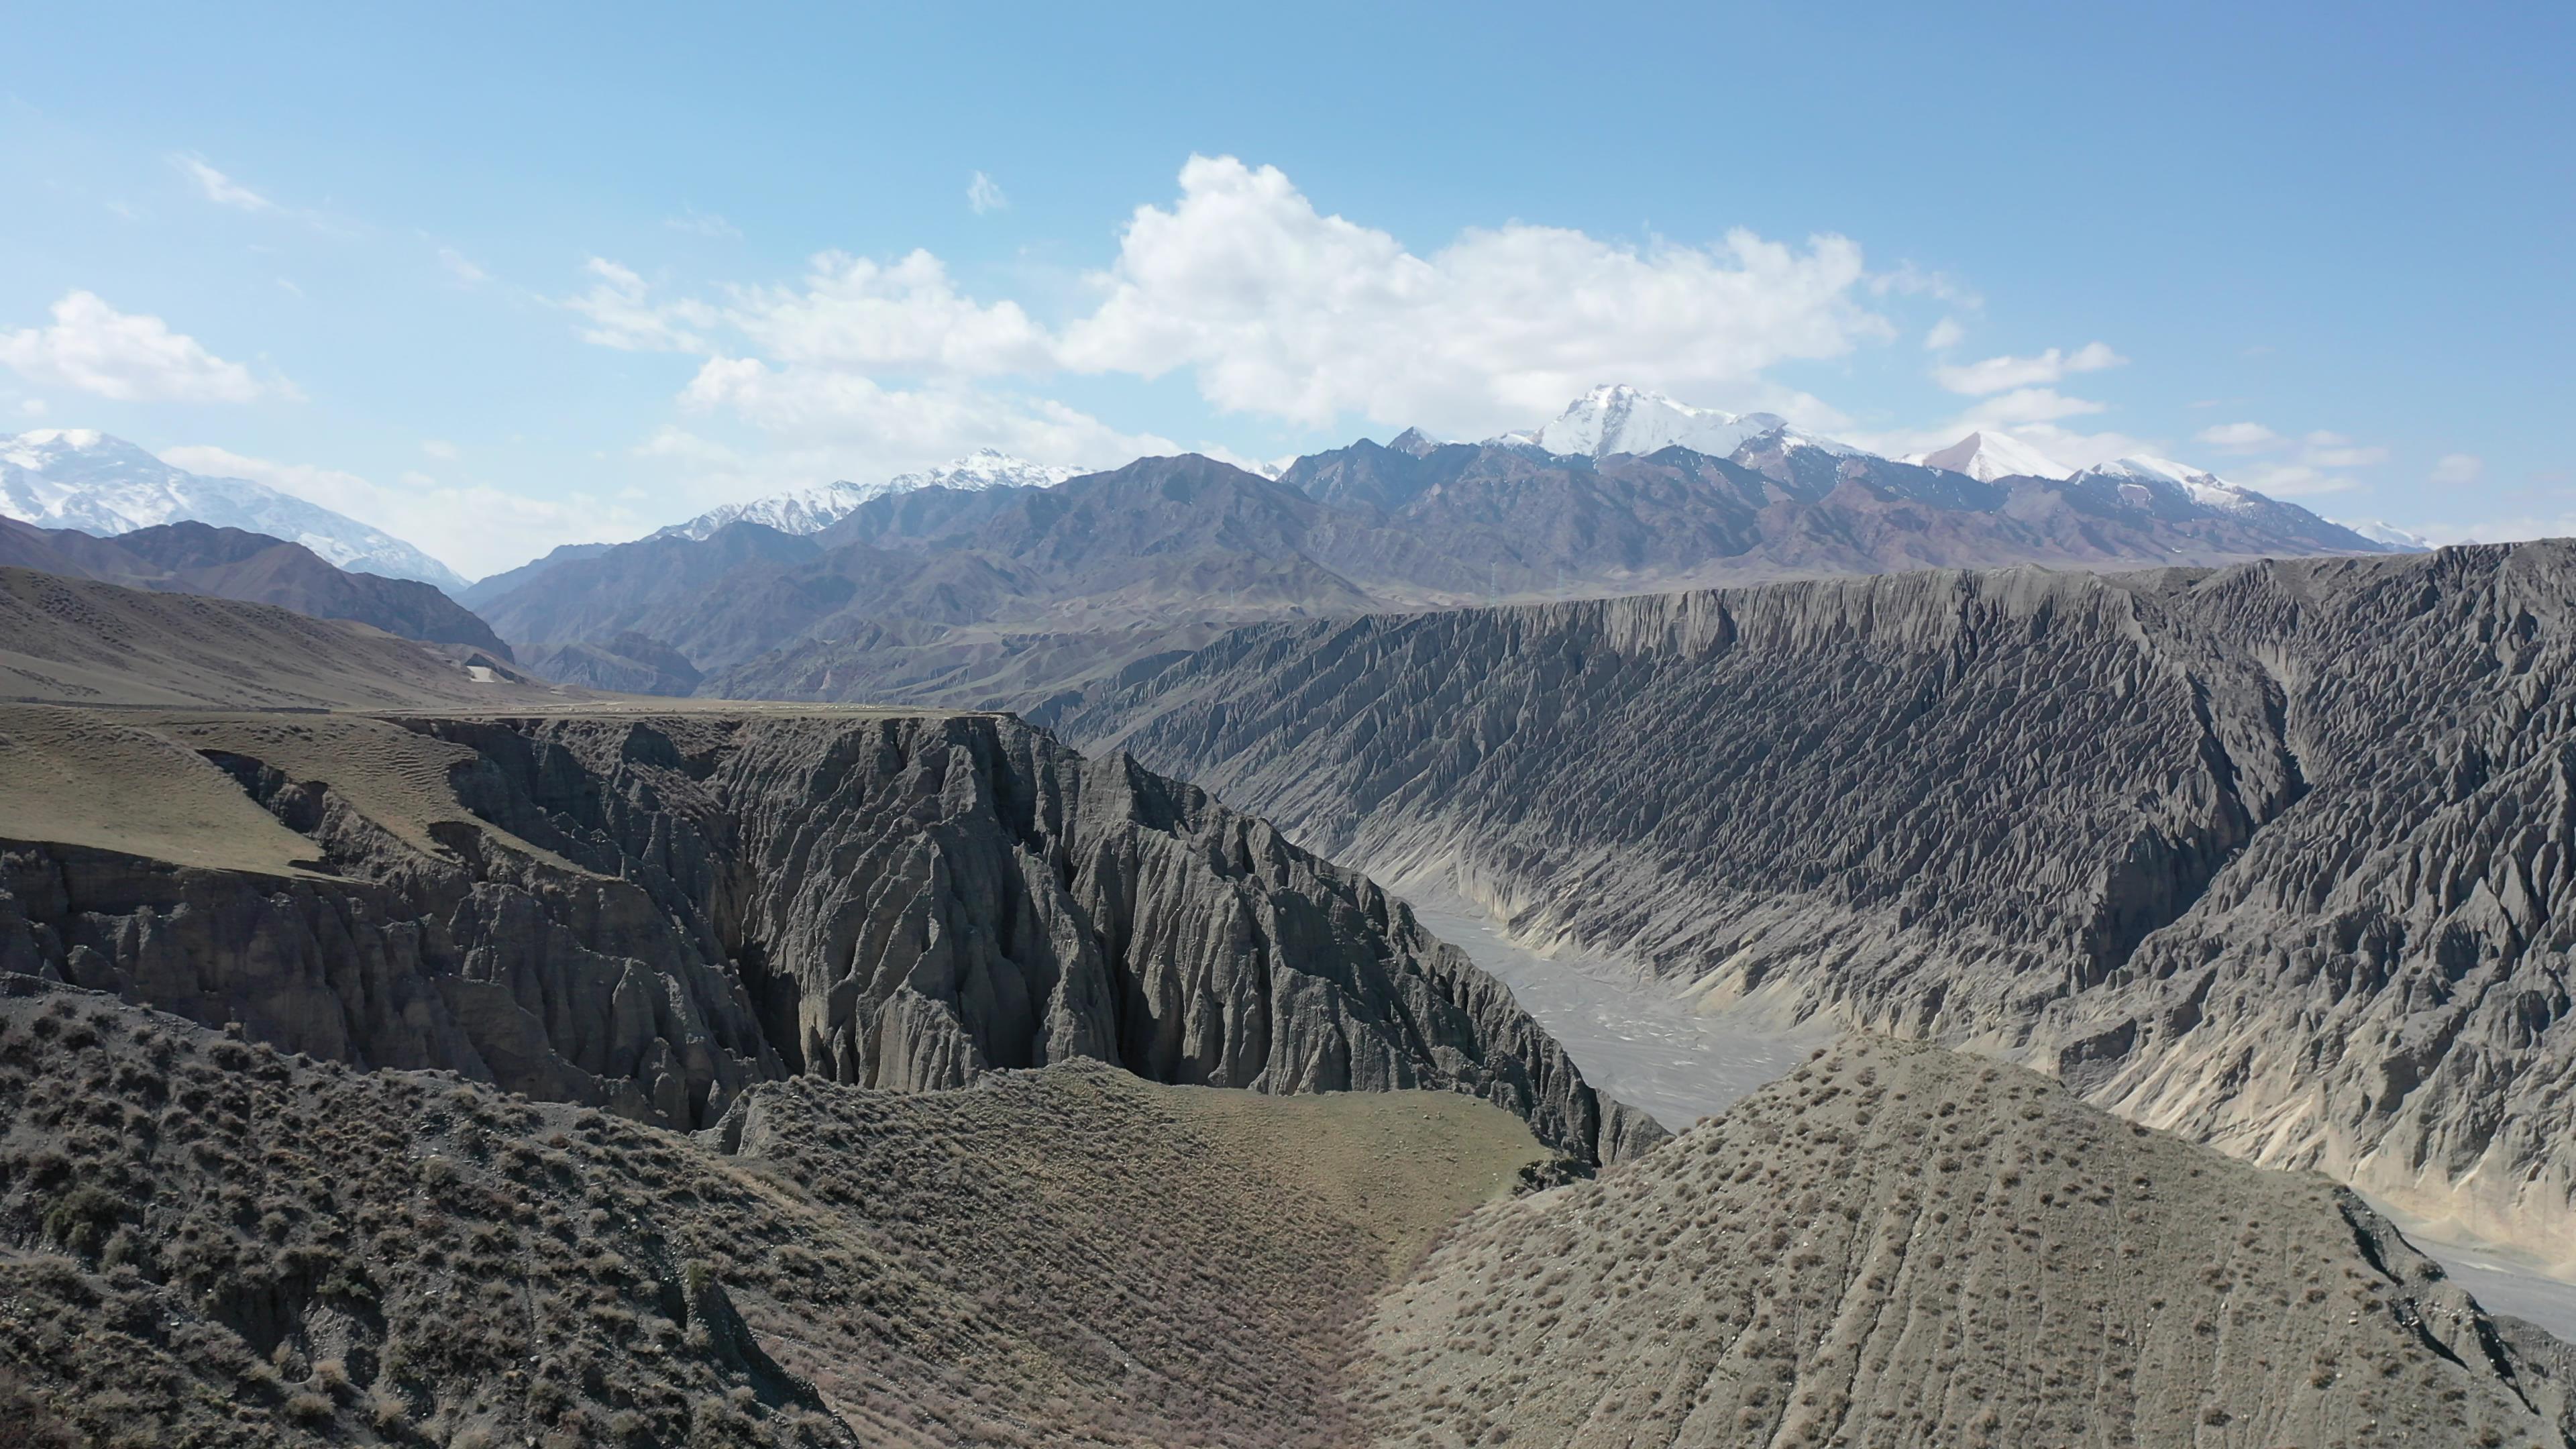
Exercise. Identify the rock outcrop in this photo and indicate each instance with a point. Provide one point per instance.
(651, 913)
(2275, 855)
(1897, 1246)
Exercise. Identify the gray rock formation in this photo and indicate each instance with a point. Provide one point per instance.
(1896, 1246)
(2275, 855)
(649, 914)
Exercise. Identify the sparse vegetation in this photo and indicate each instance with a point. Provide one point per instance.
(280, 1253)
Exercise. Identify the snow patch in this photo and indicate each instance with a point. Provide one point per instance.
(80, 478)
(811, 510)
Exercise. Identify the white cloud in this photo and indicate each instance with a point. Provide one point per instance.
(703, 223)
(460, 268)
(1280, 310)
(884, 429)
(902, 318)
(2241, 437)
(130, 357)
(474, 528)
(622, 314)
(218, 188)
(2457, 470)
(437, 448)
(1945, 334)
(33, 407)
(984, 195)
(1995, 374)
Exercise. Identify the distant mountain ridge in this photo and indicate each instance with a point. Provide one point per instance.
(103, 485)
(189, 557)
(1007, 596)
(811, 510)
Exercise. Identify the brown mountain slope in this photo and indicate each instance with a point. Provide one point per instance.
(74, 641)
(1900, 1247)
(229, 563)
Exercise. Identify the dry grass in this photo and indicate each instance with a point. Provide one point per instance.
(213, 1244)
(1896, 1246)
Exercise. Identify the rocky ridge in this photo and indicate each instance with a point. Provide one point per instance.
(2273, 855)
(652, 913)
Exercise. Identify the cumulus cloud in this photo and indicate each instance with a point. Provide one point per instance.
(130, 357)
(1945, 334)
(218, 188)
(903, 318)
(1281, 310)
(474, 528)
(1277, 309)
(2456, 470)
(1995, 374)
(983, 195)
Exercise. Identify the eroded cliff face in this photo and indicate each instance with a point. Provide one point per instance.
(651, 913)
(2275, 855)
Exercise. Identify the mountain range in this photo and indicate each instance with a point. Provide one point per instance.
(1007, 594)
(993, 581)
(812, 510)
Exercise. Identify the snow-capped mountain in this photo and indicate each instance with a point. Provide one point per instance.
(1616, 418)
(811, 510)
(2388, 533)
(2199, 485)
(87, 480)
(1988, 456)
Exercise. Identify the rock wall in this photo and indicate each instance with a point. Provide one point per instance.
(650, 914)
(2275, 855)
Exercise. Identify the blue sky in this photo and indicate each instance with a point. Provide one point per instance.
(496, 282)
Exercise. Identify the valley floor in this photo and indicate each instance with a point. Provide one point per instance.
(1642, 1045)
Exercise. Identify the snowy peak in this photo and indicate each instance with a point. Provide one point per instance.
(1988, 456)
(1617, 418)
(2377, 531)
(1416, 442)
(2199, 485)
(83, 479)
(811, 510)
